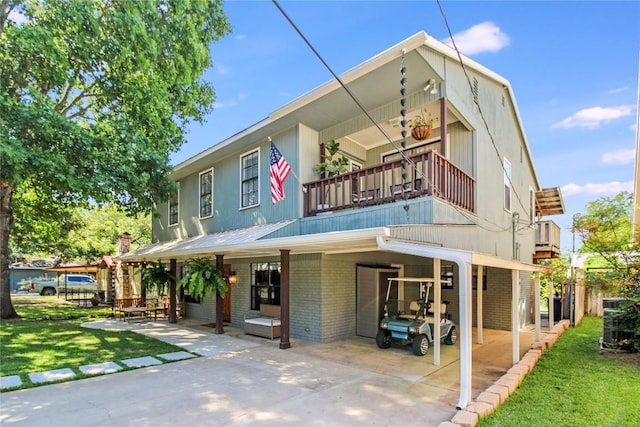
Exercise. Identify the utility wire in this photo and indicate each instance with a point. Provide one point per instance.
(370, 117)
(349, 92)
(477, 102)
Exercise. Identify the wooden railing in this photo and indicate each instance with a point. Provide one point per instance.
(427, 173)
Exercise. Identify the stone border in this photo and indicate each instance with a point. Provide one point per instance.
(489, 400)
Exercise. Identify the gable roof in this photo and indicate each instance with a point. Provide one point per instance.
(335, 104)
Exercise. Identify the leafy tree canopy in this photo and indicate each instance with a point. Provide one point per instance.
(95, 96)
(605, 230)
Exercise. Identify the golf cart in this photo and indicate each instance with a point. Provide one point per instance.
(412, 321)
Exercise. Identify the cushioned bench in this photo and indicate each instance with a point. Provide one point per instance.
(266, 324)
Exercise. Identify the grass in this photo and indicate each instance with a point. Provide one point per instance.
(49, 336)
(574, 384)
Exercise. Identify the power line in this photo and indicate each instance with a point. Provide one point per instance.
(477, 103)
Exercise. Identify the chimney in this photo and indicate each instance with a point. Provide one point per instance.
(124, 244)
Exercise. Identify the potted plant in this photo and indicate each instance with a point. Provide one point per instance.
(155, 276)
(203, 279)
(421, 125)
(331, 166)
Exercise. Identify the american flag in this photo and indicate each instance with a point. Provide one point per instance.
(279, 171)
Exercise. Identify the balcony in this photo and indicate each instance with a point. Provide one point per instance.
(426, 173)
(547, 240)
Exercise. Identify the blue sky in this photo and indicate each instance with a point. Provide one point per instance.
(573, 66)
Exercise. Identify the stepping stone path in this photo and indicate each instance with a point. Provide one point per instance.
(100, 368)
(178, 355)
(11, 381)
(139, 362)
(54, 375)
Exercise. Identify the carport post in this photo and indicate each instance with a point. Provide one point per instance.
(480, 294)
(284, 299)
(536, 297)
(515, 315)
(437, 291)
(173, 268)
(219, 299)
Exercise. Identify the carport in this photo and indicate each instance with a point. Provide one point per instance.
(375, 239)
(465, 260)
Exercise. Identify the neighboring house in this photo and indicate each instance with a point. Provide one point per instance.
(22, 273)
(463, 207)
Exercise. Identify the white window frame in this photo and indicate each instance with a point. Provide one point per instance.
(532, 205)
(507, 180)
(177, 204)
(201, 194)
(257, 177)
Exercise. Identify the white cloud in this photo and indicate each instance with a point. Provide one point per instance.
(602, 189)
(240, 37)
(222, 69)
(230, 103)
(484, 37)
(619, 89)
(593, 117)
(620, 157)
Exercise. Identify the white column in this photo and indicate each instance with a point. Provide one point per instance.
(464, 334)
(536, 298)
(552, 313)
(437, 297)
(515, 315)
(480, 294)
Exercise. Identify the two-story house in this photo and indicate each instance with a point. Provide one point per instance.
(461, 206)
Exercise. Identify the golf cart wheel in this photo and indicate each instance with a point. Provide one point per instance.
(452, 336)
(420, 345)
(383, 339)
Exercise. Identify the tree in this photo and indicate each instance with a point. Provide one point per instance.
(79, 234)
(606, 231)
(96, 94)
(556, 274)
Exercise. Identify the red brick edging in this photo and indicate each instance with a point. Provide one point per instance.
(495, 395)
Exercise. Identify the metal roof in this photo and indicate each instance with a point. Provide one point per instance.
(203, 244)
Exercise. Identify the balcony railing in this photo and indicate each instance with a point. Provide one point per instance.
(427, 173)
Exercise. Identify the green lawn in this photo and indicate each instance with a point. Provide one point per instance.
(49, 336)
(574, 384)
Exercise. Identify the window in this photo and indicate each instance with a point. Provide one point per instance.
(265, 284)
(474, 278)
(507, 185)
(532, 205)
(446, 275)
(206, 194)
(174, 208)
(250, 166)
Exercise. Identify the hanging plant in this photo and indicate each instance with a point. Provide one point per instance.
(155, 276)
(422, 124)
(203, 279)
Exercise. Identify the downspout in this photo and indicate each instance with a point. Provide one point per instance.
(464, 335)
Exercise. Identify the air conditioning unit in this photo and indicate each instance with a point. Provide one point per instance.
(615, 303)
(612, 333)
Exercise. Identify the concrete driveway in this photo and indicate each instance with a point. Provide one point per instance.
(249, 381)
